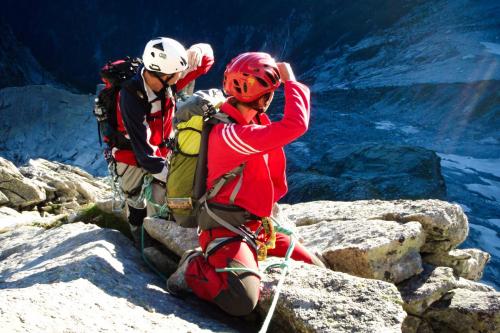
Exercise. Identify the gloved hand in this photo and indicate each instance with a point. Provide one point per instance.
(194, 57)
(286, 72)
(162, 176)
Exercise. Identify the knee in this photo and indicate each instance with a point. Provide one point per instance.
(241, 297)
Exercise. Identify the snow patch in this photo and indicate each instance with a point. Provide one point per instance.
(385, 125)
(490, 190)
(470, 164)
(493, 48)
(489, 140)
(487, 239)
(409, 130)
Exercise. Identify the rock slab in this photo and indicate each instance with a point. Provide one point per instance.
(467, 263)
(445, 224)
(81, 277)
(172, 235)
(17, 190)
(318, 300)
(377, 249)
(468, 311)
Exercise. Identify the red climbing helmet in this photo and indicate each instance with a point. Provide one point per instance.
(251, 75)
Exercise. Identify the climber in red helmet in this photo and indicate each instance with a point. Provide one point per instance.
(253, 145)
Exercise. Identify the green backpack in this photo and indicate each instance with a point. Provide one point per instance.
(186, 181)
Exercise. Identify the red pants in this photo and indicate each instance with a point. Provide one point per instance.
(236, 293)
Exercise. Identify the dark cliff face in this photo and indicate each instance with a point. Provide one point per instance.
(18, 67)
(72, 39)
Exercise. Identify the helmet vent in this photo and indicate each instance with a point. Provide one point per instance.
(236, 83)
(159, 46)
(262, 82)
(245, 87)
(271, 77)
(238, 89)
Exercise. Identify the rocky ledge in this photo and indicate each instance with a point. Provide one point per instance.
(394, 266)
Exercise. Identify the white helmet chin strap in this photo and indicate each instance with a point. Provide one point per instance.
(164, 83)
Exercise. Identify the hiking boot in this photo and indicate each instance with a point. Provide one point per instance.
(160, 261)
(176, 283)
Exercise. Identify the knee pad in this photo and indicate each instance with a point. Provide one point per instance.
(242, 294)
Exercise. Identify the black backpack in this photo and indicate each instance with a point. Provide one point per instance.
(115, 74)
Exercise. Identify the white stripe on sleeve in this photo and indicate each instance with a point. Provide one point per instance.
(230, 142)
(243, 144)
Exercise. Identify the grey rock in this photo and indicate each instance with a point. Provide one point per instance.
(318, 300)
(472, 285)
(174, 237)
(111, 206)
(160, 261)
(414, 324)
(467, 263)
(82, 277)
(445, 224)
(20, 191)
(11, 219)
(421, 291)
(463, 310)
(377, 249)
(67, 183)
(3, 198)
(411, 324)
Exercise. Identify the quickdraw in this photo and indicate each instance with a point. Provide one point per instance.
(113, 182)
(270, 239)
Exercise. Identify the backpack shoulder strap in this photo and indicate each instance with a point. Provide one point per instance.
(200, 192)
(220, 117)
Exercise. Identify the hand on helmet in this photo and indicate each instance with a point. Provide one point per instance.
(286, 72)
(194, 57)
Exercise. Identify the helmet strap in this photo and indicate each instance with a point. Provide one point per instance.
(164, 83)
(256, 106)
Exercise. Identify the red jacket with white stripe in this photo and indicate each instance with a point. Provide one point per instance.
(260, 148)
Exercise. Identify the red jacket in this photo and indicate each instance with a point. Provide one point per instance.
(144, 128)
(260, 147)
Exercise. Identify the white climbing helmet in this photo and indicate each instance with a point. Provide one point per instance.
(164, 55)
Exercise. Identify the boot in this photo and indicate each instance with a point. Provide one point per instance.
(135, 219)
(176, 283)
